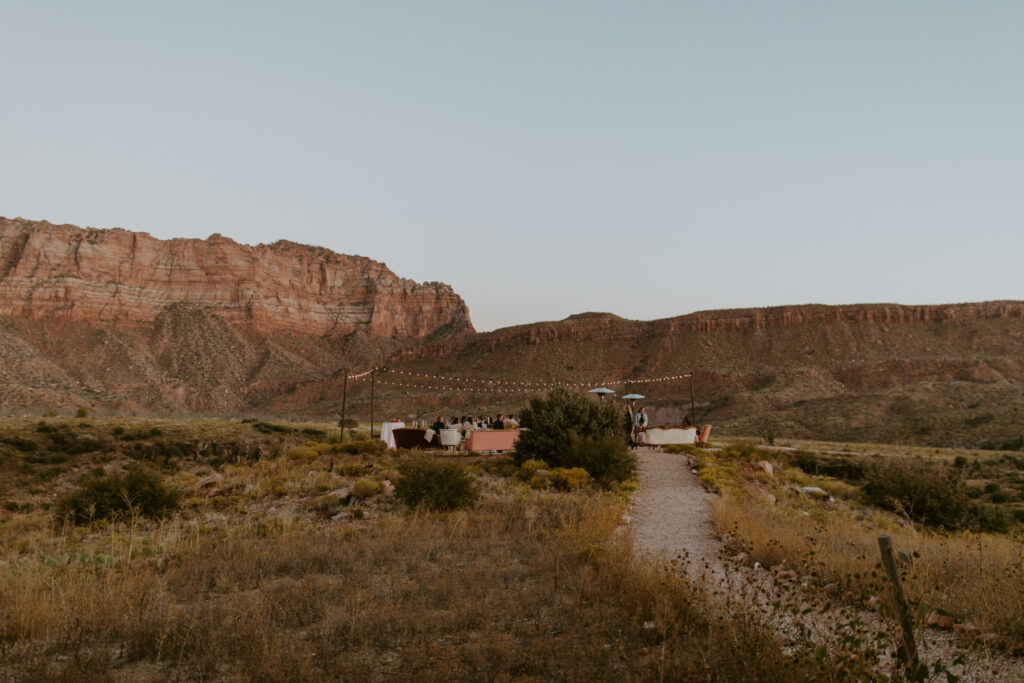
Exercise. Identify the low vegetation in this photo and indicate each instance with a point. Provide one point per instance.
(306, 568)
(825, 528)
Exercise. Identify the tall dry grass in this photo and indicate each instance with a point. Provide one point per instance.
(531, 585)
(974, 577)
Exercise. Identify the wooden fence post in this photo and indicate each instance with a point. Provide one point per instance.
(908, 649)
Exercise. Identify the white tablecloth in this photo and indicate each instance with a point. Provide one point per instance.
(386, 430)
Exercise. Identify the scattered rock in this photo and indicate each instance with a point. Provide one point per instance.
(766, 467)
(740, 558)
(210, 483)
(341, 494)
(767, 498)
(967, 630)
(387, 488)
(991, 639)
(814, 491)
(872, 601)
(789, 575)
(542, 473)
(830, 588)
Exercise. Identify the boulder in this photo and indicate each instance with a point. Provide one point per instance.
(766, 467)
(814, 491)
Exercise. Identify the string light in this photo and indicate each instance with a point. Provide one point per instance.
(498, 385)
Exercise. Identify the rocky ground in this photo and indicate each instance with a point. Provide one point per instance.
(671, 522)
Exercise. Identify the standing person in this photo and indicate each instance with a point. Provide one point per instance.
(640, 426)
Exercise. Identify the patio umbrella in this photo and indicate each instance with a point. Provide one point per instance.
(632, 398)
(601, 391)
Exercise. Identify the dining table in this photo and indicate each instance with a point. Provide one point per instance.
(387, 432)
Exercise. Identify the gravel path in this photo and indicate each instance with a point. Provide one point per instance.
(670, 519)
(670, 516)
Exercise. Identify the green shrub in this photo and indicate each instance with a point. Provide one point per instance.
(325, 507)
(360, 447)
(436, 485)
(606, 458)
(931, 494)
(561, 423)
(334, 436)
(109, 496)
(364, 488)
(527, 469)
(303, 453)
(82, 412)
(569, 479)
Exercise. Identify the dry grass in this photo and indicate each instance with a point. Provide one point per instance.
(250, 580)
(977, 578)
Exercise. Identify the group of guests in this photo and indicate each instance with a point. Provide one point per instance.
(468, 423)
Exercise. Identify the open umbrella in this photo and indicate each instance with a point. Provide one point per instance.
(632, 398)
(601, 391)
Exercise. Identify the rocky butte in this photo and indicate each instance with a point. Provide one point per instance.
(62, 272)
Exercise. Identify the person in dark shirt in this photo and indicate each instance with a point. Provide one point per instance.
(498, 423)
(438, 425)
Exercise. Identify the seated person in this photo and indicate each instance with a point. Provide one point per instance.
(468, 423)
(438, 424)
(498, 423)
(511, 422)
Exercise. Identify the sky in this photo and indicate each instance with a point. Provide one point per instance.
(545, 158)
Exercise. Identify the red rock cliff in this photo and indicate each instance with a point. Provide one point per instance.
(64, 272)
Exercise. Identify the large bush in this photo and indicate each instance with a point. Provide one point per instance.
(929, 493)
(608, 459)
(429, 483)
(568, 429)
(140, 491)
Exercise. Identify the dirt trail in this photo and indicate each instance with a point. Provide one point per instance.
(670, 516)
(670, 519)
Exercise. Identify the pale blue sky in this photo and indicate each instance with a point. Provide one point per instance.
(545, 158)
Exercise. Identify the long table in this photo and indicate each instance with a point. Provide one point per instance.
(492, 440)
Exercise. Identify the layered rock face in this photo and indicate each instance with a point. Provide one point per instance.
(943, 375)
(66, 273)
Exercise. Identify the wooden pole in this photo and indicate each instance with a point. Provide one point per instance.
(344, 400)
(908, 649)
(693, 415)
(373, 376)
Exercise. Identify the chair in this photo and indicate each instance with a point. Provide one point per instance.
(702, 439)
(450, 438)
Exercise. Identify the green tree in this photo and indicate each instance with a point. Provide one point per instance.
(568, 429)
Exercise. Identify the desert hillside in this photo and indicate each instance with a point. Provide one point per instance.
(921, 374)
(122, 321)
(118, 321)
